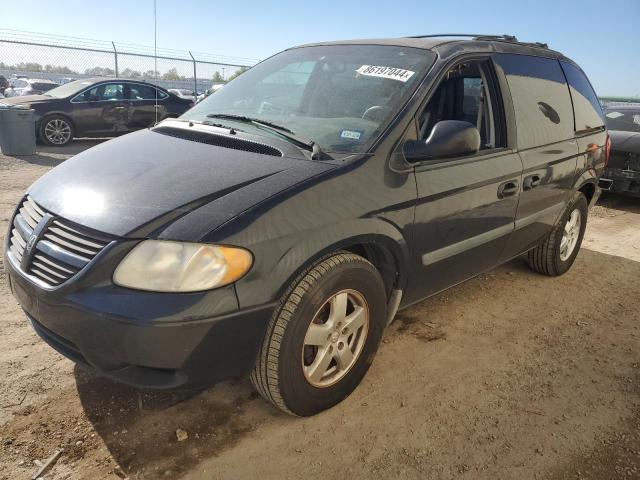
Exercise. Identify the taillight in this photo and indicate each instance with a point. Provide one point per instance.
(607, 150)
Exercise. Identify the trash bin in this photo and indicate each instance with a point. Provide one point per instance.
(17, 130)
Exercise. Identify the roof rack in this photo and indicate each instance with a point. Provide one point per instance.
(481, 36)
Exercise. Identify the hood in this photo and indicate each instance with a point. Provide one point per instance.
(139, 183)
(624, 141)
(27, 99)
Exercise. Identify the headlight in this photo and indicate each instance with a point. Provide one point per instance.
(164, 266)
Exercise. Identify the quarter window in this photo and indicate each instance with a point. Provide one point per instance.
(585, 101)
(540, 98)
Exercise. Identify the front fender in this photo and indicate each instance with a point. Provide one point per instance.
(280, 261)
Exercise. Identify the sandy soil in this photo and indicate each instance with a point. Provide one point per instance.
(510, 375)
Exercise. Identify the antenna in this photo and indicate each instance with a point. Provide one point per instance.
(155, 53)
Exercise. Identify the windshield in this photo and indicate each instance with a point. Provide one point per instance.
(627, 119)
(69, 89)
(339, 96)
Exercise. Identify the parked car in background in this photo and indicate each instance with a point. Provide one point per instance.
(209, 91)
(100, 107)
(4, 84)
(29, 86)
(275, 229)
(622, 174)
(183, 93)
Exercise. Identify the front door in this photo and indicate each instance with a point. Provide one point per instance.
(466, 206)
(103, 109)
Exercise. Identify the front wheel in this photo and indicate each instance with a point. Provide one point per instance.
(556, 253)
(323, 336)
(56, 130)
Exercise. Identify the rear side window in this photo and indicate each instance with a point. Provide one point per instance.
(144, 92)
(585, 102)
(540, 98)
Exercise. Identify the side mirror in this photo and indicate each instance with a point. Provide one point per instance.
(449, 138)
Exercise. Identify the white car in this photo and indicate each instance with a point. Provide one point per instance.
(209, 91)
(182, 93)
(28, 86)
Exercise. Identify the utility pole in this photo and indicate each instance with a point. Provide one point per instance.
(115, 55)
(195, 76)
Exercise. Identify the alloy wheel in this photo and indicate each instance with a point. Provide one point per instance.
(57, 131)
(570, 235)
(335, 338)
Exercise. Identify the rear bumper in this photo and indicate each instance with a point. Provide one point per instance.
(617, 180)
(175, 343)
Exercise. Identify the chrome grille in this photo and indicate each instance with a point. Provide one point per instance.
(61, 251)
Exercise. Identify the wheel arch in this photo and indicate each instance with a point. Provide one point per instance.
(588, 186)
(378, 241)
(58, 113)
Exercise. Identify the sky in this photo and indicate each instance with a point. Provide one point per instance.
(602, 37)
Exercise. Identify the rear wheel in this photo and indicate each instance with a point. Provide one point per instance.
(56, 130)
(555, 255)
(322, 338)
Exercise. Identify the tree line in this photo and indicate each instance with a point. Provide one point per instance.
(171, 74)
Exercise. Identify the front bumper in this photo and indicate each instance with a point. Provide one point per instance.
(624, 182)
(144, 339)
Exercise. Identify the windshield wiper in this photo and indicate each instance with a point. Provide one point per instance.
(308, 144)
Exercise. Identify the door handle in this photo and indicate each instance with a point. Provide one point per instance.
(119, 108)
(508, 189)
(532, 181)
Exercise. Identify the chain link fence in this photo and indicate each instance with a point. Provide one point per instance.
(62, 59)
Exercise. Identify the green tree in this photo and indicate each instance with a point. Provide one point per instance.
(217, 78)
(59, 69)
(237, 73)
(100, 72)
(128, 73)
(29, 66)
(172, 74)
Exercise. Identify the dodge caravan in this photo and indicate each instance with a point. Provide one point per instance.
(275, 229)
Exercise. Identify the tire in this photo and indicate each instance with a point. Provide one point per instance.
(549, 257)
(284, 373)
(56, 123)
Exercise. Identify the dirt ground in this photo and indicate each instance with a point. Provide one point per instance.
(511, 375)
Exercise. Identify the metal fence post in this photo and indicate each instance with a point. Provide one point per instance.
(195, 76)
(115, 54)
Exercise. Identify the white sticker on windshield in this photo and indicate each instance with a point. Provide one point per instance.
(386, 72)
(351, 134)
(615, 114)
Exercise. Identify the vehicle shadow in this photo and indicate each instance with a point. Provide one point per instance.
(619, 202)
(140, 427)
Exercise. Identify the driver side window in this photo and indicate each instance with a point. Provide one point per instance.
(467, 93)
